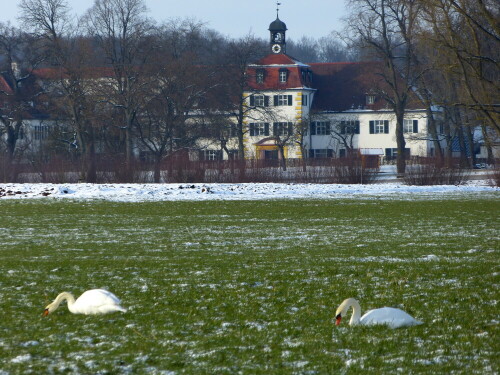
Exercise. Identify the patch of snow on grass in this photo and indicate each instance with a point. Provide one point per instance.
(21, 358)
(243, 191)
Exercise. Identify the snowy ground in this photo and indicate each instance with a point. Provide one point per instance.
(167, 192)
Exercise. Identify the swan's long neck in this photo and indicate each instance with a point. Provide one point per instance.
(356, 312)
(61, 297)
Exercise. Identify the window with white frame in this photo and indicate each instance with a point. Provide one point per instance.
(320, 153)
(370, 99)
(410, 126)
(320, 128)
(281, 100)
(281, 129)
(304, 100)
(212, 155)
(283, 76)
(349, 127)
(40, 132)
(379, 127)
(259, 128)
(392, 153)
(259, 101)
(259, 76)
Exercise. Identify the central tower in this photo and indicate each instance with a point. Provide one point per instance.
(277, 30)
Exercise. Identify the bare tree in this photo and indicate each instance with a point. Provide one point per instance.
(235, 98)
(467, 35)
(386, 29)
(123, 34)
(178, 92)
(68, 82)
(20, 54)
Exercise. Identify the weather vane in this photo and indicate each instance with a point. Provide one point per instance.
(277, 8)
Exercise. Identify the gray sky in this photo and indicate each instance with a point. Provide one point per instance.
(234, 18)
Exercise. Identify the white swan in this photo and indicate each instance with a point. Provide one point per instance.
(91, 302)
(390, 316)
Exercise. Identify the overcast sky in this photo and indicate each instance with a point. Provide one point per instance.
(234, 18)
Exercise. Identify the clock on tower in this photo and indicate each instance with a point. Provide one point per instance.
(278, 30)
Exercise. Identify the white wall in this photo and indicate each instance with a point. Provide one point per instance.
(418, 143)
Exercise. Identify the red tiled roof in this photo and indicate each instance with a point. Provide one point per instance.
(271, 65)
(87, 72)
(344, 86)
(279, 59)
(5, 87)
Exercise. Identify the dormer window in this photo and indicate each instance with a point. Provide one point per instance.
(306, 76)
(370, 99)
(283, 75)
(259, 77)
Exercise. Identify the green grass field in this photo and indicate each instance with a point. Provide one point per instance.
(251, 287)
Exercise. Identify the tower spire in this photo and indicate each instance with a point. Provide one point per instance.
(278, 31)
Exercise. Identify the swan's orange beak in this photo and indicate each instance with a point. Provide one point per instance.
(46, 312)
(338, 318)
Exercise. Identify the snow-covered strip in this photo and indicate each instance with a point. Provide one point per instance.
(247, 191)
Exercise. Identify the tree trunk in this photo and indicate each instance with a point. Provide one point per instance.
(401, 143)
(157, 170)
(128, 155)
(282, 158)
(91, 174)
(432, 129)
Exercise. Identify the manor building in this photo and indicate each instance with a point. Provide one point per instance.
(321, 110)
(297, 110)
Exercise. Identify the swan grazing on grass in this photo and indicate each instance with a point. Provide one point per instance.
(390, 316)
(91, 302)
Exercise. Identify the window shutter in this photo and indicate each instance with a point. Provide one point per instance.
(290, 100)
(275, 128)
(266, 128)
(386, 126)
(356, 130)
(311, 153)
(342, 127)
(290, 128)
(372, 127)
(275, 100)
(252, 129)
(415, 126)
(388, 152)
(252, 101)
(266, 101)
(313, 128)
(329, 153)
(327, 128)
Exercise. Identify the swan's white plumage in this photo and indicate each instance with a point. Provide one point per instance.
(392, 317)
(91, 302)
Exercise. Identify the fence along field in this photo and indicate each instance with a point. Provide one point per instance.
(224, 287)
